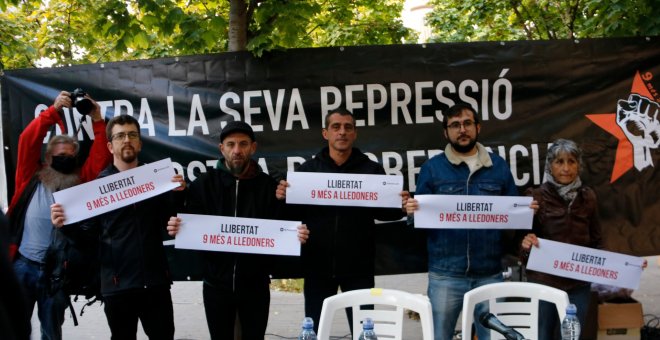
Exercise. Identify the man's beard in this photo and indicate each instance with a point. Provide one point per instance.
(130, 156)
(237, 170)
(54, 180)
(464, 148)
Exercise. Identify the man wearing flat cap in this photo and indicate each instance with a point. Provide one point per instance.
(235, 283)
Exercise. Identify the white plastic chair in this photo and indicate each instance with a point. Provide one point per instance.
(388, 321)
(520, 309)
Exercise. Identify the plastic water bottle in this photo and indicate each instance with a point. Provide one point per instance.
(368, 330)
(307, 332)
(570, 326)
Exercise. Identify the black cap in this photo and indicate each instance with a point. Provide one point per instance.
(237, 126)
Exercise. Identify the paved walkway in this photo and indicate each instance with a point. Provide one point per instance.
(286, 310)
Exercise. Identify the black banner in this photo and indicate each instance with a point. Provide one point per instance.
(602, 93)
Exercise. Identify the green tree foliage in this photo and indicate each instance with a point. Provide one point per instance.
(90, 31)
(478, 20)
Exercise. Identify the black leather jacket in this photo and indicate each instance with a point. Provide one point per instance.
(218, 192)
(341, 239)
(556, 220)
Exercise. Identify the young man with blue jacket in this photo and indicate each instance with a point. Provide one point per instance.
(462, 259)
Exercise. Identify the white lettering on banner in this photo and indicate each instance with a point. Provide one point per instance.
(254, 100)
(586, 264)
(197, 117)
(394, 163)
(367, 101)
(145, 118)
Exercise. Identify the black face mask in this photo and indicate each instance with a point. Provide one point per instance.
(63, 164)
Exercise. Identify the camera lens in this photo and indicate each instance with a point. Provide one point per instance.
(83, 105)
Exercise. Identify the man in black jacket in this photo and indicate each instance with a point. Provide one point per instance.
(235, 283)
(340, 250)
(135, 280)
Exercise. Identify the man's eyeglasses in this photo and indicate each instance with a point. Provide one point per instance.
(468, 124)
(120, 136)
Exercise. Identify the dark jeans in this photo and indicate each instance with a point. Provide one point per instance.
(318, 288)
(549, 322)
(250, 303)
(35, 283)
(152, 306)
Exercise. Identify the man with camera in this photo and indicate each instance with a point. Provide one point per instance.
(29, 210)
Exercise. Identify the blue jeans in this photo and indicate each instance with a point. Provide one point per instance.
(35, 283)
(446, 295)
(549, 324)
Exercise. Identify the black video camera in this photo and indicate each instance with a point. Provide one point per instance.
(80, 102)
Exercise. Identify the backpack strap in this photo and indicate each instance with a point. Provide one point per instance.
(73, 312)
(89, 303)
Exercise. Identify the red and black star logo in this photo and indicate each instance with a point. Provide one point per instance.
(624, 160)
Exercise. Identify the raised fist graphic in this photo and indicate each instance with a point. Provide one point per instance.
(638, 118)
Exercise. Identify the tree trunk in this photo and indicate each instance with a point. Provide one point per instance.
(237, 25)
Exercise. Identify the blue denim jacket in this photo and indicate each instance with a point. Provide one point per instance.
(465, 252)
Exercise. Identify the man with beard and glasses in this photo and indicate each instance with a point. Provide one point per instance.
(236, 284)
(341, 248)
(134, 273)
(462, 259)
(29, 211)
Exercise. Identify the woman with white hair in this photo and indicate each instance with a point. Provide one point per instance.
(568, 213)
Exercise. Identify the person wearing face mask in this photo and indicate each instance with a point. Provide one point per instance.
(568, 213)
(31, 230)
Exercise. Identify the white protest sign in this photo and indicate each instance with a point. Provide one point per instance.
(115, 191)
(586, 264)
(473, 212)
(238, 235)
(357, 190)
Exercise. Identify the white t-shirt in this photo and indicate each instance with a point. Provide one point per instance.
(472, 162)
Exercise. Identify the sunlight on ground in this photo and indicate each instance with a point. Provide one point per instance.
(287, 285)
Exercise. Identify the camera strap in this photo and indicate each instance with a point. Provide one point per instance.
(79, 126)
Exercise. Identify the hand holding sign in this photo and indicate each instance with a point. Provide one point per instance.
(178, 178)
(280, 192)
(57, 215)
(173, 225)
(303, 233)
(411, 205)
(528, 241)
